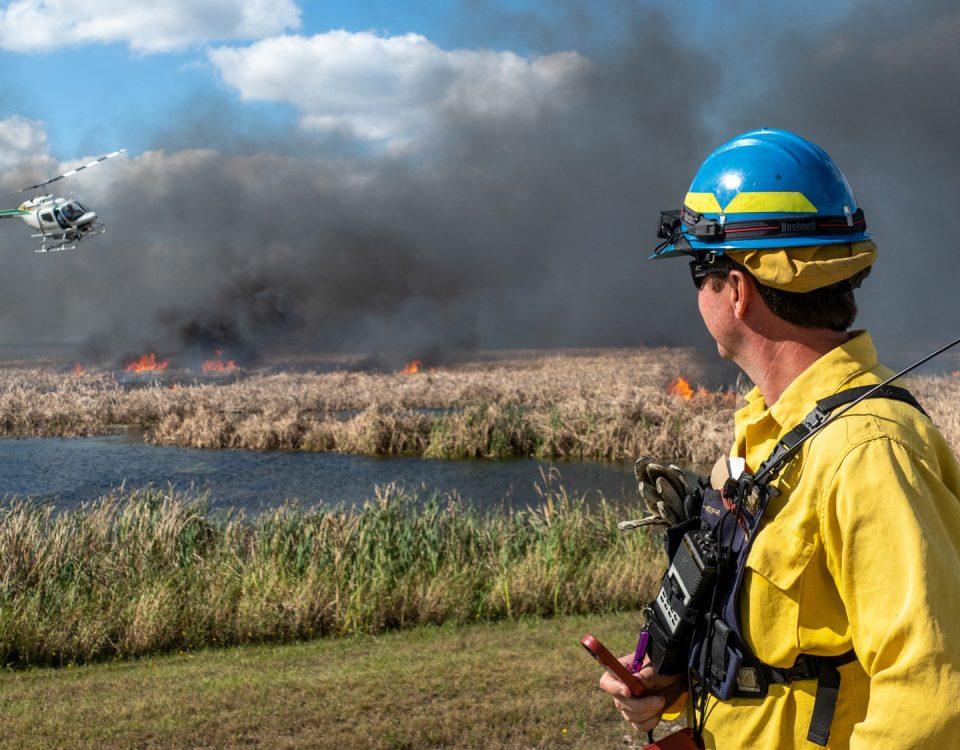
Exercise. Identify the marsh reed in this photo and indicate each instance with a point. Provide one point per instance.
(147, 571)
(607, 404)
(598, 404)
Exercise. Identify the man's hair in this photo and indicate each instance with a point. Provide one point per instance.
(830, 307)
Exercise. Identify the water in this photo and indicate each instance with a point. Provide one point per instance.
(70, 471)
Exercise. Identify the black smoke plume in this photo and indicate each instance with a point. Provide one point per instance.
(532, 233)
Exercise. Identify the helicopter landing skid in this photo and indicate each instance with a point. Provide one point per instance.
(62, 243)
(56, 248)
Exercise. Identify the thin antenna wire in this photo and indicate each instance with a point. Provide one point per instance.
(769, 470)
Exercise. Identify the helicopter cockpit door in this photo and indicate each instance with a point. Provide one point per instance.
(60, 219)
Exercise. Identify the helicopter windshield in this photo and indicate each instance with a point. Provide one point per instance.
(72, 211)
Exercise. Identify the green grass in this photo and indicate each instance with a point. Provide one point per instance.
(151, 571)
(492, 686)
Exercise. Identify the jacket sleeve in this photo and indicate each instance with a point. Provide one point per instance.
(891, 533)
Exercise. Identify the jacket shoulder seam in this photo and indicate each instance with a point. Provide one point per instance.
(866, 440)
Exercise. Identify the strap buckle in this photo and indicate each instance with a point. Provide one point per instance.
(806, 667)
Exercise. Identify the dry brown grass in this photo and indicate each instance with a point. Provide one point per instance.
(606, 404)
(600, 404)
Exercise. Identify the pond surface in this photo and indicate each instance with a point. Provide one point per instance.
(70, 471)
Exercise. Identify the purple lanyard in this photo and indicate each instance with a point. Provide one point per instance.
(641, 651)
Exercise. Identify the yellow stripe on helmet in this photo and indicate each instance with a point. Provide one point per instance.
(702, 203)
(773, 202)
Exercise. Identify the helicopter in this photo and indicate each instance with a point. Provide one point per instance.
(61, 222)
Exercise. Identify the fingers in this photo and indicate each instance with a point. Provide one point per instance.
(640, 467)
(610, 684)
(672, 505)
(640, 709)
(670, 485)
(643, 713)
(659, 683)
(650, 497)
(662, 491)
(656, 472)
(649, 678)
(646, 726)
(639, 523)
(690, 480)
(660, 515)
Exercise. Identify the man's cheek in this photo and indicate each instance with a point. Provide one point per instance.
(707, 311)
(702, 305)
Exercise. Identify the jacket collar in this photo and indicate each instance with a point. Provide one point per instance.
(826, 376)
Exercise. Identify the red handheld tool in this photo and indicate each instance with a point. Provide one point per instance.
(682, 740)
(612, 664)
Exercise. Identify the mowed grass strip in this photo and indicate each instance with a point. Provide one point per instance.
(511, 685)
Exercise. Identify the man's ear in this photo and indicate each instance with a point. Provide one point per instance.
(741, 291)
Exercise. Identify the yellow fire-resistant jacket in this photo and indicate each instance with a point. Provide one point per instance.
(861, 551)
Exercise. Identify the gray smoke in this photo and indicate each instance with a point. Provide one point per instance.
(879, 90)
(532, 232)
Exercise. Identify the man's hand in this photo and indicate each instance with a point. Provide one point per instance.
(644, 713)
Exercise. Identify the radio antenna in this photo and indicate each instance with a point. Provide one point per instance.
(769, 470)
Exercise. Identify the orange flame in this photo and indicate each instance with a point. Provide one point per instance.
(218, 364)
(148, 363)
(413, 367)
(79, 370)
(680, 387)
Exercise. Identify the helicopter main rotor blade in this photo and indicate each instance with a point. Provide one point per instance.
(69, 173)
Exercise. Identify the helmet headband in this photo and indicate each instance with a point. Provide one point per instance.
(674, 224)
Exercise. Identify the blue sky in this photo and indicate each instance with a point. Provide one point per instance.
(94, 96)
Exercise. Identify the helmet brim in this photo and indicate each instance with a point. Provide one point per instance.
(695, 245)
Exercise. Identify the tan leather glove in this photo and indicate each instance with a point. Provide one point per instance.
(665, 491)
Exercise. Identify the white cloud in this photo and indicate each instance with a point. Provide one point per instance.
(23, 144)
(395, 89)
(25, 159)
(148, 26)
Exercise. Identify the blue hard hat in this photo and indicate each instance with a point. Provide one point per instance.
(764, 189)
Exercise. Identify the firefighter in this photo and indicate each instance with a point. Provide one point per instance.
(856, 563)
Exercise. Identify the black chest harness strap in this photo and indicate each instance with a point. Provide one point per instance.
(782, 453)
(825, 668)
(719, 661)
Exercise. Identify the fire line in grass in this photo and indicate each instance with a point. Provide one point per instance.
(680, 387)
(147, 363)
(218, 364)
(415, 366)
(79, 370)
